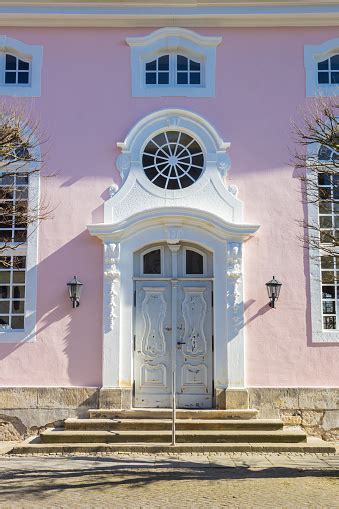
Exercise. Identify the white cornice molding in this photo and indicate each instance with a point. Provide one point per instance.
(222, 13)
(168, 216)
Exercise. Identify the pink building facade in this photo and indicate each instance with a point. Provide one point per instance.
(169, 131)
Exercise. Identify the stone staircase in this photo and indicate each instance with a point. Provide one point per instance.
(149, 430)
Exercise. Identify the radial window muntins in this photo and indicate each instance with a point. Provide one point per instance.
(173, 160)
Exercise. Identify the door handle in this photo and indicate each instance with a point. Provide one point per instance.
(181, 343)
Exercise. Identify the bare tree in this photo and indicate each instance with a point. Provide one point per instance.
(20, 161)
(317, 159)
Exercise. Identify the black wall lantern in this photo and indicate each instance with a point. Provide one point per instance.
(74, 290)
(273, 290)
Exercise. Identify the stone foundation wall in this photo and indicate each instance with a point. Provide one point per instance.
(26, 411)
(316, 410)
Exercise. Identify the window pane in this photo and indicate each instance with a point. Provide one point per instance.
(182, 78)
(329, 322)
(4, 307)
(329, 307)
(324, 193)
(20, 235)
(23, 78)
(152, 262)
(335, 77)
(18, 322)
(194, 66)
(182, 63)
(4, 320)
(10, 63)
(327, 262)
(10, 77)
(323, 178)
(322, 66)
(23, 66)
(4, 292)
(328, 292)
(163, 63)
(18, 277)
(323, 77)
(325, 222)
(19, 262)
(195, 78)
(325, 207)
(151, 66)
(18, 306)
(194, 262)
(327, 276)
(335, 63)
(5, 276)
(163, 78)
(326, 237)
(151, 78)
(18, 292)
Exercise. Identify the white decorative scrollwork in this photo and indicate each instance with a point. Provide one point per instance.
(194, 310)
(234, 256)
(173, 121)
(173, 234)
(113, 189)
(223, 163)
(232, 188)
(112, 280)
(153, 312)
(234, 287)
(123, 163)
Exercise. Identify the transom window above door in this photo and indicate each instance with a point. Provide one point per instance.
(173, 69)
(173, 160)
(157, 262)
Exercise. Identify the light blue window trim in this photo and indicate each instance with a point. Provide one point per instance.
(31, 55)
(200, 52)
(313, 56)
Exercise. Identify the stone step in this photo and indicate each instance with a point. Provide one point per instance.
(312, 446)
(166, 413)
(166, 424)
(60, 436)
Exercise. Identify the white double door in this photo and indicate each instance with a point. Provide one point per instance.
(173, 332)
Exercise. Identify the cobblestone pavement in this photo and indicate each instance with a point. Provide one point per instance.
(129, 481)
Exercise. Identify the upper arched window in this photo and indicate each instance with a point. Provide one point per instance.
(20, 68)
(174, 70)
(322, 68)
(173, 62)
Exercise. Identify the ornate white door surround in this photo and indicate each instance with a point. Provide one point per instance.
(173, 326)
(165, 198)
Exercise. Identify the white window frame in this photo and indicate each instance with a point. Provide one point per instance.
(162, 261)
(204, 262)
(30, 250)
(29, 53)
(173, 41)
(312, 55)
(319, 334)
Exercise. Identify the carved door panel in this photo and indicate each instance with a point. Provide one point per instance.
(153, 339)
(194, 354)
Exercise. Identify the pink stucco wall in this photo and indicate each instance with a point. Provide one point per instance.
(85, 108)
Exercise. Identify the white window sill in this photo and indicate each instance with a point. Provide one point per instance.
(17, 336)
(326, 337)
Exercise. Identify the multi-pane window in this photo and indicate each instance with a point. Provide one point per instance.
(174, 70)
(13, 208)
(17, 71)
(329, 234)
(12, 292)
(328, 70)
